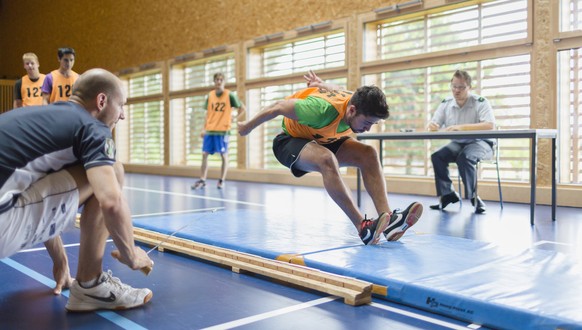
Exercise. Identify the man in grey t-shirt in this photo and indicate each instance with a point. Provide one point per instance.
(461, 112)
(54, 159)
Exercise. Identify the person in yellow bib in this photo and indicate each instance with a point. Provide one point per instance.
(27, 89)
(219, 108)
(317, 127)
(58, 84)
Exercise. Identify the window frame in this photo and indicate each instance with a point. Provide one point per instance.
(123, 132)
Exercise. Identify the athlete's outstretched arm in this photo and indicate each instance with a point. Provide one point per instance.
(280, 108)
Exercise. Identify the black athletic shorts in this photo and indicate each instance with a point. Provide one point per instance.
(287, 149)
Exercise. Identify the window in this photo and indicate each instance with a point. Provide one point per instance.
(146, 132)
(570, 115)
(145, 85)
(570, 15)
(200, 73)
(140, 137)
(569, 92)
(299, 55)
(459, 28)
(191, 82)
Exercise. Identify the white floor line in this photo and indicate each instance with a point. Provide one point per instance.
(263, 316)
(178, 212)
(193, 196)
(424, 318)
(550, 242)
(65, 245)
(111, 316)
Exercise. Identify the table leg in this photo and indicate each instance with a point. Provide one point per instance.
(554, 197)
(534, 149)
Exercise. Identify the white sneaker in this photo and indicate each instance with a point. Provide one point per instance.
(110, 293)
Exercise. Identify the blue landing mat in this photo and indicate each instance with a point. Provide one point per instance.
(470, 280)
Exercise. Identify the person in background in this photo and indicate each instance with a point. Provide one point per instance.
(463, 111)
(27, 90)
(220, 104)
(58, 84)
(317, 125)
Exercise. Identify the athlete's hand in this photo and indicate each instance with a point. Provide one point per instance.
(312, 79)
(202, 133)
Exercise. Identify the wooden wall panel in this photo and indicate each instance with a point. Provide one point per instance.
(543, 107)
(117, 34)
(6, 95)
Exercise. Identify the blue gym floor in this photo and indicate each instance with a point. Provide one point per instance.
(193, 294)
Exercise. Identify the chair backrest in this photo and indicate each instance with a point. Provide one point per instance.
(495, 158)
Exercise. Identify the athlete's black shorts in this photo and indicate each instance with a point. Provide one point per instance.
(287, 149)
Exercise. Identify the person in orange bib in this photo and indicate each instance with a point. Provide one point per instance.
(27, 89)
(58, 84)
(219, 107)
(317, 127)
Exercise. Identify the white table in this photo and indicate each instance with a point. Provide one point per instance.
(532, 134)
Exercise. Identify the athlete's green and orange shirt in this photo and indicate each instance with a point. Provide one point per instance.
(320, 115)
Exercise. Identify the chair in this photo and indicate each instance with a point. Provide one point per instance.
(493, 160)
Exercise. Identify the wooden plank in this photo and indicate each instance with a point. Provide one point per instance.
(355, 292)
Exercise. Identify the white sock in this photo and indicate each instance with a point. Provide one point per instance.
(89, 284)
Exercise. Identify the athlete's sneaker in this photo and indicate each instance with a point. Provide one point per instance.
(110, 293)
(198, 184)
(370, 229)
(220, 184)
(400, 221)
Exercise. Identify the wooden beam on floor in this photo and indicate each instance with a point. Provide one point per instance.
(355, 292)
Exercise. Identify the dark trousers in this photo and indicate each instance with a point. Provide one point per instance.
(466, 155)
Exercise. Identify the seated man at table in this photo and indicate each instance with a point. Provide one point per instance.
(463, 111)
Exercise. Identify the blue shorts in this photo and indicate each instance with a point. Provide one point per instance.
(215, 143)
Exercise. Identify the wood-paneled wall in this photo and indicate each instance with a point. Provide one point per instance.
(117, 34)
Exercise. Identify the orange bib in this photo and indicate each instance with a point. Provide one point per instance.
(31, 91)
(219, 112)
(62, 86)
(328, 134)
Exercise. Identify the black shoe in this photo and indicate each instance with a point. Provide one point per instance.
(370, 230)
(446, 200)
(400, 221)
(198, 184)
(481, 207)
